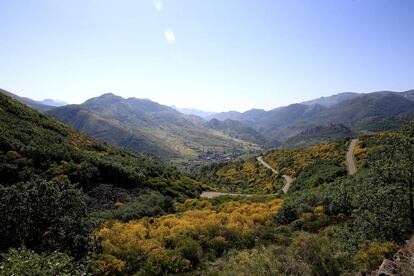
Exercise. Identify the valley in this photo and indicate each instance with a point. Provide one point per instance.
(111, 211)
(163, 132)
(207, 138)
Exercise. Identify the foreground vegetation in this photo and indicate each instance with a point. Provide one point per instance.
(70, 205)
(185, 241)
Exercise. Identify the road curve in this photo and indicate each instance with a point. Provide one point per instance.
(289, 180)
(350, 158)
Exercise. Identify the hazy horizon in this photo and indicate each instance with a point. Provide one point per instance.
(213, 56)
(203, 110)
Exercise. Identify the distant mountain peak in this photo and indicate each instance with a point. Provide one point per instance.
(332, 100)
(108, 95)
(103, 98)
(52, 102)
(195, 112)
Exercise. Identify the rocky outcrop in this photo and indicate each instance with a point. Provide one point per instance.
(403, 258)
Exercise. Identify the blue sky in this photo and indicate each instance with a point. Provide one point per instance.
(214, 55)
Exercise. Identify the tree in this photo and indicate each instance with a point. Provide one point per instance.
(41, 215)
(394, 164)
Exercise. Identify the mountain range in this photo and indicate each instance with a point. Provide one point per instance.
(360, 113)
(161, 131)
(196, 112)
(149, 127)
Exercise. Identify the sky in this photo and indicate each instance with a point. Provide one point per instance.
(214, 55)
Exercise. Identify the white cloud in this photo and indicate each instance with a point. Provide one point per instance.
(158, 5)
(169, 36)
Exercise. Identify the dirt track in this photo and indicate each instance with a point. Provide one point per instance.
(350, 158)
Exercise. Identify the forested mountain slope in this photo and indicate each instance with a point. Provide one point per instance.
(364, 110)
(319, 134)
(238, 130)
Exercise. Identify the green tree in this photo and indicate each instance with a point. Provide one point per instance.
(41, 215)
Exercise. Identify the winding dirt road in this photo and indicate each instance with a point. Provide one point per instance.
(350, 164)
(350, 158)
(289, 180)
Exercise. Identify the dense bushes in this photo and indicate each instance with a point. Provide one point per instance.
(307, 255)
(293, 161)
(247, 176)
(27, 262)
(145, 205)
(41, 215)
(373, 253)
(319, 172)
(179, 243)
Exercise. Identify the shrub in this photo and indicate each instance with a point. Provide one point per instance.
(146, 205)
(26, 262)
(371, 255)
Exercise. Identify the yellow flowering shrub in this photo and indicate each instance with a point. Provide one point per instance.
(368, 144)
(177, 243)
(292, 161)
(372, 254)
(248, 177)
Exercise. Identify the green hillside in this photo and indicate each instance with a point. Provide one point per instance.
(247, 176)
(112, 131)
(319, 134)
(359, 112)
